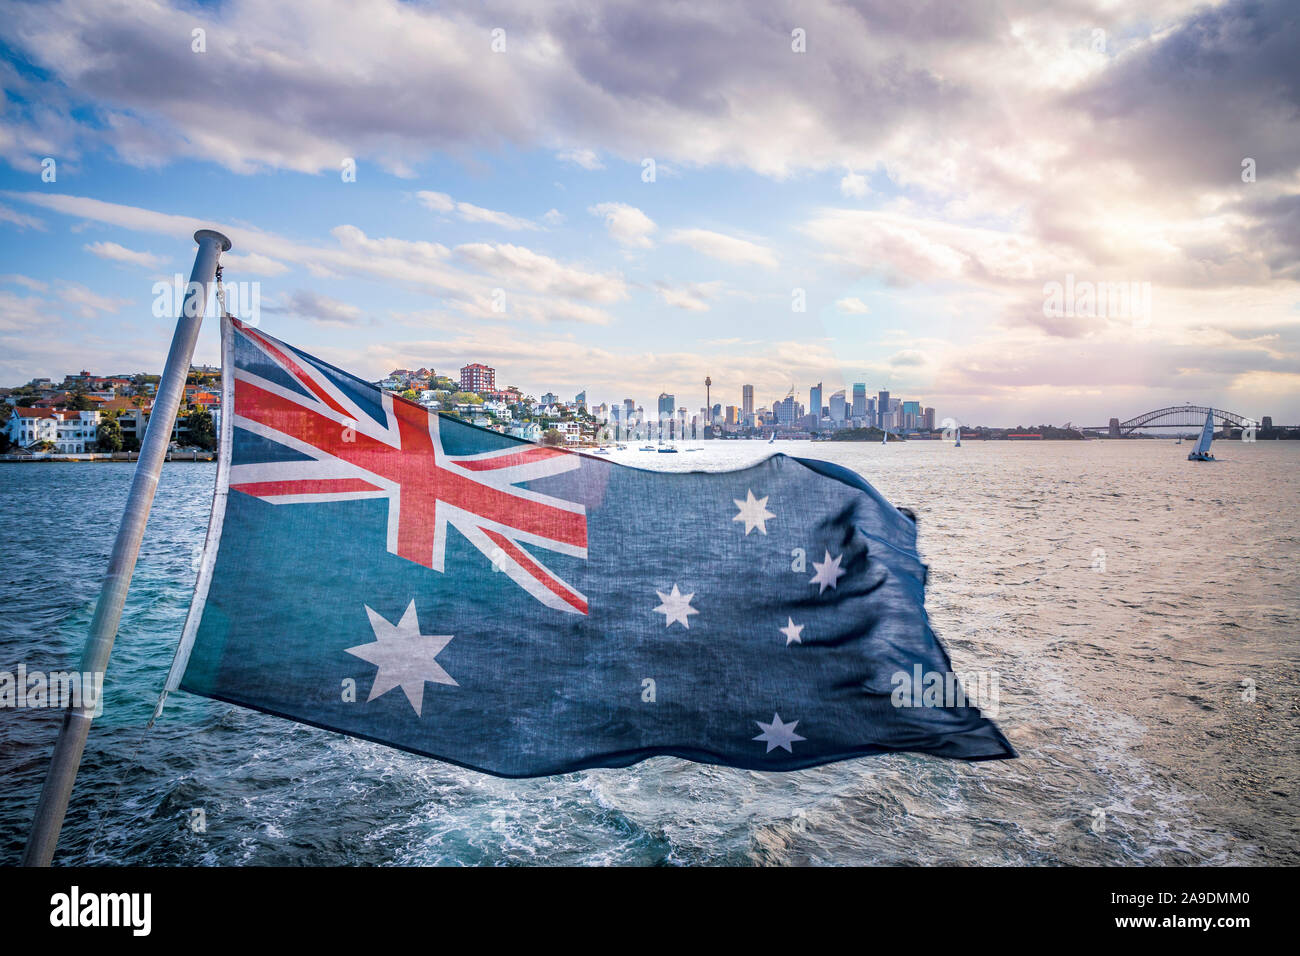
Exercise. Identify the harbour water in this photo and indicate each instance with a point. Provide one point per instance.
(1142, 613)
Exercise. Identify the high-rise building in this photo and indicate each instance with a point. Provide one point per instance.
(478, 378)
(859, 400)
(815, 401)
(882, 408)
(717, 413)
(733, 416)
(550, 398)
(629, 410)
(581, 398)
(928, 415)
(788, 411)
(667, 404)
(747, 399)
(838, 406)
(870, 417)
(911, 416)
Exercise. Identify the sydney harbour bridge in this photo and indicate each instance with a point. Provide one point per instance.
(1183, 417)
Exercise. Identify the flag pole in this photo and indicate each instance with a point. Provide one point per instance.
(108, 612)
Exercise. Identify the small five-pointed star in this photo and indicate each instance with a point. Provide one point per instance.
(753, 511)
(778, 734)
(793, 632)
(676, 606)
(828, 572)
(404, 656)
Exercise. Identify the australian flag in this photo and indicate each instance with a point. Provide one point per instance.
(389, 573)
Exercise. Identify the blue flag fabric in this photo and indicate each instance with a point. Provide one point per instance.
(404, 577)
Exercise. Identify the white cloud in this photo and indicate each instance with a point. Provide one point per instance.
(86, 303)
(852, 305)
(585, 158)
(724, 247)
(465, 276)
(321, 309)
(854, 185)
(19, 219)
(117, 253)
(467, 212)
(693, 297)
(626, 224)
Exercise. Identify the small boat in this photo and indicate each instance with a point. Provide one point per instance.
(772, 439)
(646, 448)
(601, 451)
(1202, 450)
(667, 450)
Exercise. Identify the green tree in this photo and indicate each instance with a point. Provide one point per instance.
(552, 436)
(80, 402)
(109, 435)
(410, 395)
(201, 430)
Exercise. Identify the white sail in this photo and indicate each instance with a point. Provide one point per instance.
(1207, 435)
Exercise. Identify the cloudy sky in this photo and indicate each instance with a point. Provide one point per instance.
(914, 175)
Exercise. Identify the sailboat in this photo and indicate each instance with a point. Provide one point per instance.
(773, 438)
(1202, 450)
(884, 436)
(958, 445)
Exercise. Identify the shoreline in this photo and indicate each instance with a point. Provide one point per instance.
(120, 457)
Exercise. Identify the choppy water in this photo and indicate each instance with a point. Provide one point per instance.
(1121, 688)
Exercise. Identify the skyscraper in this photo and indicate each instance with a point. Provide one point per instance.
(815, 402)
(747, 400)
(629, 410)
(859, 400)
(911, 415)
(882, 408)
(667, 404)
(838, 406)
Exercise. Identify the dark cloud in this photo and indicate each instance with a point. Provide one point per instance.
(1189, 107)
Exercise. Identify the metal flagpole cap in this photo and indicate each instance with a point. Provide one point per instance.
(212, 234)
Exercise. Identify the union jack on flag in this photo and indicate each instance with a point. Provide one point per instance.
(379, 570)
(351, 454)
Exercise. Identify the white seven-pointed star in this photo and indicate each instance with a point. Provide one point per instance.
(828, 572)
(778, 734)
(792, 631)
(753, 511)
(676, 606)
(404, 656)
